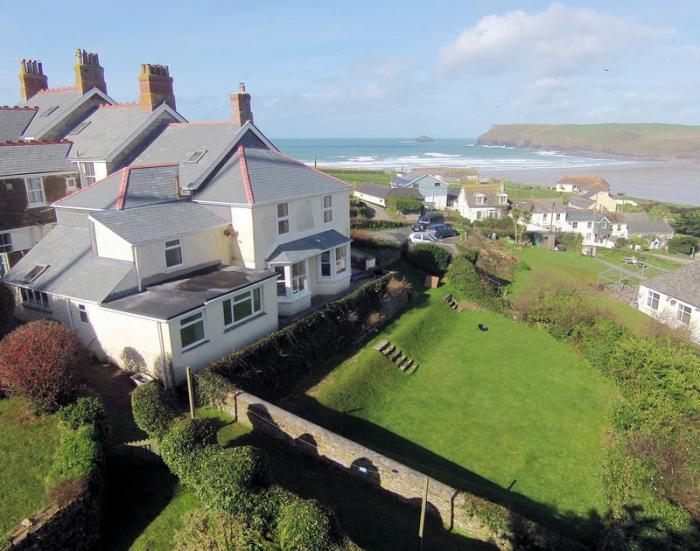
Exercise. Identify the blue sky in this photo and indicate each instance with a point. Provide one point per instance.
(380, 69)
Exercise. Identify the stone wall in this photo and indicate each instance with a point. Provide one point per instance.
(455, 508)
(74, 526)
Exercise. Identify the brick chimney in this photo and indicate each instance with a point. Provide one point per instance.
(88, 72)
(156, 87)
(31, 78)
(240, 106)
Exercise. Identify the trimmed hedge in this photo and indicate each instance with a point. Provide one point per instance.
(405, 205)
(271, 366)
(79, 455)
(430, 258)
(466, 280)
(303, 524)
(369, 224)
(152, 410)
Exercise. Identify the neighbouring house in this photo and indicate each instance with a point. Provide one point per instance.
(673, 298)
(582, 184)
(656, 232)
(482, 201)
(61, 139)
(191, 251)
(32, 176)
(377, 195)
(432, 188)
(449, 174)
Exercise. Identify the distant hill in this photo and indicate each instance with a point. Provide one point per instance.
(660, 141)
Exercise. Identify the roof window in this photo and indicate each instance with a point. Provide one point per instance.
(78, 129)
(35, 272)
(195, 156)
(49, 111)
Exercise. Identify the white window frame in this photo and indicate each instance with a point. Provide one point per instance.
(35, 299)
(82, 314)
(327, 209)
(341, 261)
(230, 301)
(5, 242)
(188, 318)
(4, 264)
(281, 270)
(299, 278)
(282, 219)
(502, 199)
(653, 300)
(71, 184)
(329, 263)
(42, 191)
(87, 177)
(480, 199)
(684, 313)
(574, 225)
(171, 245)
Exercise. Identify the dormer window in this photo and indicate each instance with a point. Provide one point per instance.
(502, 199)
(78, 129)
(480, 199)
(195, 156)
(49, 111)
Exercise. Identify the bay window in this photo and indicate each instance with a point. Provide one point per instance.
(281, 281)
(192, 331)
(242, 306)
(326, 264)
(340, 259)
(298, 277)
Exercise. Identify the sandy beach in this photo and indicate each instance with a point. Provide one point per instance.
(674, 182)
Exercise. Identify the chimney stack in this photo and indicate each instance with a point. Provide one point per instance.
(156, 87)
(31, 78)
(88, 73)
(240, 106)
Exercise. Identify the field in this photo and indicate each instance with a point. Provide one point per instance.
(359, 177)
(508, 413)
(26, 451)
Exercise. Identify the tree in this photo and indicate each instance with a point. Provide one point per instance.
(517, 214)
(659, 212)
(39, 361)
(688, 222)
(683, 244)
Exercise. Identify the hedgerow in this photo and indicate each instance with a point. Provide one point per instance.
(466, 280)
(153, 411)
(432, 259)
(371, 224)
(405, 205)
(303, 524)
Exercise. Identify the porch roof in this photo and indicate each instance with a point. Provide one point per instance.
(300, 249)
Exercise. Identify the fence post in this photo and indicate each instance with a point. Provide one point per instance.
(189, 392)
(422, 513)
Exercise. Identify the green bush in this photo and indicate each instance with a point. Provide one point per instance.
(683, 244)
(362, 224)
(211, 388)
(465, 279)
(430, 258)
(572, 241)
(152, 409)
(405, 205)
(598, 340)
(302, 525)
(86, 410)
(180, 444)
(79, 455)
(7, 309)
(205, 530)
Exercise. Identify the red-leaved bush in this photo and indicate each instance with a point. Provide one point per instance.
(39, 361)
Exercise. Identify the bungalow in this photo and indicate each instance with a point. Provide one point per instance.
(432, 189)
(582, 184)
(656, 232)
(673, 298)
(378, 195)
(191, 251)
(482, 201)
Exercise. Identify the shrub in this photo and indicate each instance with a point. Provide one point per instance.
(205, 530)
(211, 388)
(361, 224)
(464, 278)
(405, 205)
(430, 258)
(79, 455)
(86, 410)
(368, 241)
(572, 241)
(7, 309)
(39, 360)
(683, 244)
(303, 525)
(179, 446)
(152, 409)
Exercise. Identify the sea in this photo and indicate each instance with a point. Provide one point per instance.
(669, 181)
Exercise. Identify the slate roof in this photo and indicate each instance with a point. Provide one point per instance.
(103, 194)
(73, 270)
(26, 158)
(418, 180)
(167, 300)
(649, 227)
(544, 205)
(110, 127)
(299, 249)
(490, 191)
(271, 178)
(682, 284)
(159, 221)
(179, 140)
(575, 215)
(383, 191)
(64, 99)
(13, 121)
(581, 202)
(587, 182)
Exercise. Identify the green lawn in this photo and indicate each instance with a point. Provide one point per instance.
(358, 177)
(510, 413)
(27, 447)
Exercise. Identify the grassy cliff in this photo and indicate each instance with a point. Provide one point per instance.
(663, 141)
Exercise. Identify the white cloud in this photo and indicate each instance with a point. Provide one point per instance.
(556, 41)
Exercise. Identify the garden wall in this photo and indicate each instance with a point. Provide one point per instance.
(458, 509)
(73, 526)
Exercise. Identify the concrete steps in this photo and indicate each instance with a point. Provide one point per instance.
(396, 356)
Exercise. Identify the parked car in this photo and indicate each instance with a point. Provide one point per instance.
(431, 218)
(422, 237)
(443, 230)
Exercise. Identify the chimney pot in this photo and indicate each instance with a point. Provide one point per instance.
(88, 72)
(31, 78)
(156, 87)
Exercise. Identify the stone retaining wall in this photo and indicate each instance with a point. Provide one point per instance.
(450, 504)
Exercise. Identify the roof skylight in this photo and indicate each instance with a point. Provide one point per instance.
(49, 111)
(35, 272)
(78, 129)
(196, 156)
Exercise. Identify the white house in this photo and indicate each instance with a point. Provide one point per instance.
(190, 252)
(378, 195)
(674, 299)
(582, 184)
(482, 201)
(432, 188)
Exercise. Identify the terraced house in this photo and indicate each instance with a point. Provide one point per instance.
(60, 139)
(192, 250)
